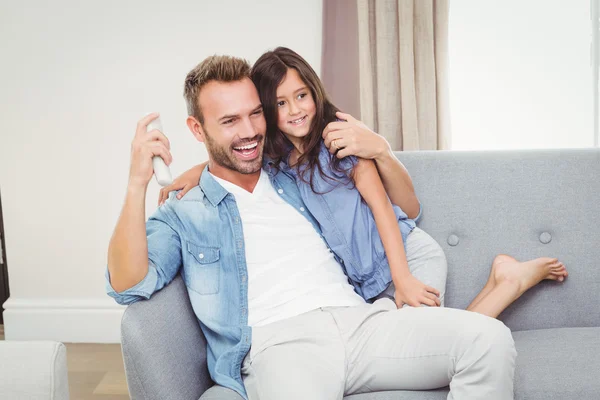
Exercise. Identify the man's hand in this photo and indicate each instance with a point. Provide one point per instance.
(144, 147)
(413, 292)
(353, 138)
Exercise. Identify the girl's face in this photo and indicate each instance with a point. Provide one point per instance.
(295, 108)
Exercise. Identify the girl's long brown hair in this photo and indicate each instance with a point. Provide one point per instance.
(267, 74)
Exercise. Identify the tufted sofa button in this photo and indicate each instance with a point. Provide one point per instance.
(453, 240)
(545, 237)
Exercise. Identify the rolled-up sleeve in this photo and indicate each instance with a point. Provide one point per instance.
(164, 258)
(420, 211)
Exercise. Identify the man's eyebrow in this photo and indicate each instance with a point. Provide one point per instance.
(296, 91)
(232, 116)
(229, 116)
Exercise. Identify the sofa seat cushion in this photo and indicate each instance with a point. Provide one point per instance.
(560, 363)
(552, 364)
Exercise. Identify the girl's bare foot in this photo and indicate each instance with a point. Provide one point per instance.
(529, 273)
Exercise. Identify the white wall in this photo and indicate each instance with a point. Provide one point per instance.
(75, 77)
(520, 74)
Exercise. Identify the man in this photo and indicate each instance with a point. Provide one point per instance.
(278, 313)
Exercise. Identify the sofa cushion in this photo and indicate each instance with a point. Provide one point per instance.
(552, 364)
(526, 203)
(561, 363)
(439, 394)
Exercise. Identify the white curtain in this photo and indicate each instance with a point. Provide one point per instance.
(403, 70)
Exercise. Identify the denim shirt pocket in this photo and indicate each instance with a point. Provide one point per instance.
(202, 272)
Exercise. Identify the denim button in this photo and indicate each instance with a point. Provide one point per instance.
(545, 237)
(453, 240)
(280, 191)
(302, 209)
(201, 255)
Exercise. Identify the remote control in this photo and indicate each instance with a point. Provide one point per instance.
(161, 171)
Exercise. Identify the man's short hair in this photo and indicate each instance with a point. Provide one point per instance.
(213, 68)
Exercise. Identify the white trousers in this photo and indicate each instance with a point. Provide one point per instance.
(332, 352)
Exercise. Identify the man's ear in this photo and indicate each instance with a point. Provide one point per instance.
(196, 128)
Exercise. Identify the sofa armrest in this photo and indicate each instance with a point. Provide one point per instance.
(164, 350)
(35, 370)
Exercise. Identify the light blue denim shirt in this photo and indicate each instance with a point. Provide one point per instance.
(348, 225)
(203, 234)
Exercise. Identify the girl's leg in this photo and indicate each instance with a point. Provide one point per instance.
(491, 283)
(426, 262)
(509, 279)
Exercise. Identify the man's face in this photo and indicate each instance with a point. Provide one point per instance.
(234, 125)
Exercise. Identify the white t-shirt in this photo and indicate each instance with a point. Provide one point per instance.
(290, 269)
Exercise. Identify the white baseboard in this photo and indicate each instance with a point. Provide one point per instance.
(63, 320)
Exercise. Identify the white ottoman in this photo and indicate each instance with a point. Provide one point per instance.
(35, 370)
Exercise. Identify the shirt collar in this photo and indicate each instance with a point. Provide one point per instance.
(240, 192)
(269, 166)
(213, 191)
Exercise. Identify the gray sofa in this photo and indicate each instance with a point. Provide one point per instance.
(476, 205)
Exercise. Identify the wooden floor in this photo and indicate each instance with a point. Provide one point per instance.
(95, 371)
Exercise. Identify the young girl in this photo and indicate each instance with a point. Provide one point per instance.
(378, 245)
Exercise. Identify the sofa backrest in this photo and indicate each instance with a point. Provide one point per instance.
(526, 203)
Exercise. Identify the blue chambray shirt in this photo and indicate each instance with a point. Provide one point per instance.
(348, 225)
(203, 234)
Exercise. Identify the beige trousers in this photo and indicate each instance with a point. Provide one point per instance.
(331, 352)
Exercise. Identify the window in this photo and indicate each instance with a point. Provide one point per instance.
(521, 74)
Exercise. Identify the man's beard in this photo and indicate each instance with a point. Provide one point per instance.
(225, 157)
